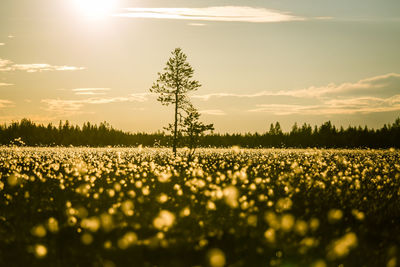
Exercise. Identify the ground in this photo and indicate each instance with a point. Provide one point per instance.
(227, 207)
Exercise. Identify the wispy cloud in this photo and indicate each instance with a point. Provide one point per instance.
(4, 62)
(6, 84)
(221, 95)
(63, 106)
(383, 84)
(140, 97)
(215, 112)
(197, 24)
(71, 107)
(366, 86)
(90, 91)
(6, 103)
(364, 105)
(282, 109)
(41, 68)
(8, 65)
(216, 13)
(370, 95)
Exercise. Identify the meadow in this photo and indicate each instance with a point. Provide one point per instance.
(226, 207)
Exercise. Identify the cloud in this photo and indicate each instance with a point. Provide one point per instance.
(140, 97)
(1, 44)
(221, 95)
(6, 103)
(215, 112)
(8, 65)
(369, 95)
(387, 84)
(281, 109)
(43, 67)
(4, 62)
(97, 101)
(63, 106)
(363, 105)
(6, 84)
(90, 91)
(216, 13)
(197, 24)
(73, 107)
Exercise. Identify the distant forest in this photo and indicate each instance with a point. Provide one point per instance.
(26, 132)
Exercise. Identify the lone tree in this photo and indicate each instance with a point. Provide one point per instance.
(172, 86)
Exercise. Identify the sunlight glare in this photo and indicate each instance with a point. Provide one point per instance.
(96, 9)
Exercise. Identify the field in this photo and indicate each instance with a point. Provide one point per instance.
(232, 207)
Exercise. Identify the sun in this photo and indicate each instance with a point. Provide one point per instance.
(96, 8)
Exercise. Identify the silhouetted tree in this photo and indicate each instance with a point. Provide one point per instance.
(271, 129)
(278, 130)
(194, 129)
(172, 87)
(28, 133)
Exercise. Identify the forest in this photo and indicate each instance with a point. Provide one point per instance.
(327, 135)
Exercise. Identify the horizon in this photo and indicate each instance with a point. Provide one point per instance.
(306, 61)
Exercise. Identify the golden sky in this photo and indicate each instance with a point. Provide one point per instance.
(258, 61)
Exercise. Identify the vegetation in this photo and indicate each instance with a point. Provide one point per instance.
(145, 207)
(173, 86)
(194, 130)
(328, 136)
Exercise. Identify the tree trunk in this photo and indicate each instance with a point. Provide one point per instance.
(176, 125)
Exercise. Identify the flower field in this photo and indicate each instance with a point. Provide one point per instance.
(227, 207)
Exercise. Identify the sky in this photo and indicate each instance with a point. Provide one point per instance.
(304, 61)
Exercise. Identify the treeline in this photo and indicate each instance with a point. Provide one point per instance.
(324, 136)
(28, 133)
(327, 135)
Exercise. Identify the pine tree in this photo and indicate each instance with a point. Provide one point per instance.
(194, 129)
(172, 87)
